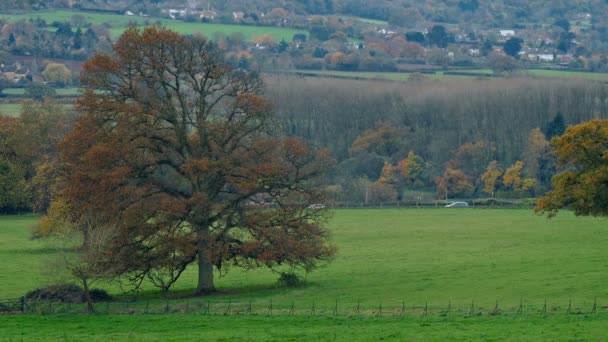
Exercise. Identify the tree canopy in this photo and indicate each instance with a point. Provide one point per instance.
(173, 148)
(582, 153)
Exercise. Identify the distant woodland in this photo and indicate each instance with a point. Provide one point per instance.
(374, 127)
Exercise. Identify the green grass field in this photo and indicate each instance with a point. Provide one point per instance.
(385, 257)
(13, 109)
(440, 75)
(118, 24)
(300, 328)
(10, 109)
(59, 91)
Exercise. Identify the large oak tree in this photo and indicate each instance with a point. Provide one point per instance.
(582, 153)
(174, 148)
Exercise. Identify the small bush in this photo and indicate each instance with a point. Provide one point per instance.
(67, 293)
(290, 279)
(99, 295)
(57, 293)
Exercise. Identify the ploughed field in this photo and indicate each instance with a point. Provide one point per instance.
(461, 273)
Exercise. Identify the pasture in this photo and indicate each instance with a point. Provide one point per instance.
(118, 23)
(386, 257)
(10, 109)
(461, 74)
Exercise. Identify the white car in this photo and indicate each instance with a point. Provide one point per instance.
(457, 205)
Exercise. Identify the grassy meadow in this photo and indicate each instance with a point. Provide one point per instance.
(440, 75)
(386, 258)
(118, 23)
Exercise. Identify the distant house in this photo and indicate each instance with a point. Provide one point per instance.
(238, 15)
(174, 13)
(584, 16)
(15, 72)
(507, 33)
(209, 14)
(474, 52)
(129, 13)
(541, 57)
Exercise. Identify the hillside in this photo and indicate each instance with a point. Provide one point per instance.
(485, 12)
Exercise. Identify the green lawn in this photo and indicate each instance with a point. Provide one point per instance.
(300, 328)
(119, 22)
(13, 109)
(58, 91)
(10, 109)
(412, 255)
(440, 75)
(386, 257)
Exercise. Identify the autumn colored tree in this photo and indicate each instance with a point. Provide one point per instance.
(537, 157)
(389, 174)
(383, 140)
(513, 179)
(173, 148)
(582, 153)
(473, 157)
(27, 142)
(15, 193)
(57, 73)
(413, 169)
(490, 178)
(453, 182)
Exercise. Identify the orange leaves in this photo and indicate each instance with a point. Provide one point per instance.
(490, 178)
(454, 183)
(173, 144)
(194, 167)
(383, 140)
(583, 145)
(583, 187)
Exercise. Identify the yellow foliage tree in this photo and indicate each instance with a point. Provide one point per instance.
(389, 174)
(583, 187)
(57, 72)
(490, 178)
(513, 179)
(413, 168)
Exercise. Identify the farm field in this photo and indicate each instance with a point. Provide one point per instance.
(14, 108)
(394, 255)
(180, 327)
(418, 257)
(58, 91)
(119, 22)
(440, 75)
(10, 109)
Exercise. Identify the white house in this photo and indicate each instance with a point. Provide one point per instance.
(541, 57)
(507, 33)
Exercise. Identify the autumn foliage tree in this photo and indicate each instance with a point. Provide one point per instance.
(490, 178)
(453, 182)
(514, 180)
(413, 169)
(582, 153)
(173, 149)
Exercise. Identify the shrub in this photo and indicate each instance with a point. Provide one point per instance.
(68, 293)
(290, 279)
(57, 293)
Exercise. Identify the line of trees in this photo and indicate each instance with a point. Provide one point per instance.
(449, 123)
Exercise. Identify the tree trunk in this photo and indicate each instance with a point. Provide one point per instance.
(87, 296)
(86, 237)
(205, 267)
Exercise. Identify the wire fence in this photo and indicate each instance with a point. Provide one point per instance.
(311, 308)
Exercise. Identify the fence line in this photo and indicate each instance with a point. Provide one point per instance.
(311, 308)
